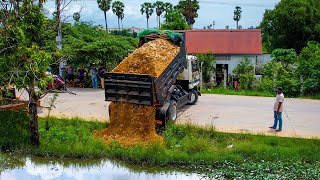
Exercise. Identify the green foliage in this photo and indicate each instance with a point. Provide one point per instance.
(208, 68)
(25, 57)
(85, 44)
(174, 21)
(124, 32)
(291, 24)
(118, 10)
(190, 147)
(76, 16)
(159, 7)
(147, 9)
(221, 90)
(309, 68)
(266, 85)
(244, 72)
(189, 9)
(14, 130)
(105, 6)
(237, 15)
(70, 137)
(283, 70)
(285, 56)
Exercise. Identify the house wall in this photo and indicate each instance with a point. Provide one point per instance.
(264, 58)
(234, 60)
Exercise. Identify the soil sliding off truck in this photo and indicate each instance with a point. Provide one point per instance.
(177, 86)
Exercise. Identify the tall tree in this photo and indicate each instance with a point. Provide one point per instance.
(291, 24)
(167, 7)
(189, 9)
(121, 18)
(118, 9)
(174, 20)
(105, 6)
(24, 57)
(147, 8)
(76, 16)
(159, 6)
(237, 15)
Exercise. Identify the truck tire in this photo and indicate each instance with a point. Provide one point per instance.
(193, 97)
(172, 112)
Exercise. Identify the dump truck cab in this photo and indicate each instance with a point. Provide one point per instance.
(177, 85)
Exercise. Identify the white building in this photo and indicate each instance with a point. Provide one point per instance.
(228, 46)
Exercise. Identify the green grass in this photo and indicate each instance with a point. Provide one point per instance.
(221, 90)
(188, 147)
(317, 97)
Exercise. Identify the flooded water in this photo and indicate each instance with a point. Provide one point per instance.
(27, 168)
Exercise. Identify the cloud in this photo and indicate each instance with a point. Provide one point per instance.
(220, 11)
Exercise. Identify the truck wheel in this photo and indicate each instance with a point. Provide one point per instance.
(193, 97)
(172, 112)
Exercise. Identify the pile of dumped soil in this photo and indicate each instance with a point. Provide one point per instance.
(131, 123)
(152, 58)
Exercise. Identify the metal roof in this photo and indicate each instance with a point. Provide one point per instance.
(224, 42)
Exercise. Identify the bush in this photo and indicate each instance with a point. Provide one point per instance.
(14, 129)
(265, 85)
(244, 72)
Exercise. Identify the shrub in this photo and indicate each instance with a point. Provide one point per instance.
(266, 85)
(244, 72)
(14, 129)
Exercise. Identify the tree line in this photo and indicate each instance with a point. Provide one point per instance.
(28, 48)
(291, 32)
(186, 8)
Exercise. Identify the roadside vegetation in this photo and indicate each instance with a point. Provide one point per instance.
(298, 75)
(192, 148)
(229, 91)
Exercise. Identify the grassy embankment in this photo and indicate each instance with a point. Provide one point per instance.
(221, 90)
(188, 147)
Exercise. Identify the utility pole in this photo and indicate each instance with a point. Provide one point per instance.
(59, 37)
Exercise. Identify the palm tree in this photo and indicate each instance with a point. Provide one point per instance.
(104, 5)
(117, 9)
(76, 16)
(121, 18)
(237, 15)
(147, 8)
(167, 7)
(189, 10)
(159, 10)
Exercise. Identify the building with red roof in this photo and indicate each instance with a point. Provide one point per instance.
(229, 46)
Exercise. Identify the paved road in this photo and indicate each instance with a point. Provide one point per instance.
(226, 113)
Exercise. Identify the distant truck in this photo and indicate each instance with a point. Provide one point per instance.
(177, 86)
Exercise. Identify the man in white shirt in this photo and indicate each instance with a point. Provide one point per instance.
(278, 108)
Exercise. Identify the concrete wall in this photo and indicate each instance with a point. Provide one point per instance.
(233, 61)
(264, 58)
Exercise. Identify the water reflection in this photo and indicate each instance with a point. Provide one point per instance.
(42, 168)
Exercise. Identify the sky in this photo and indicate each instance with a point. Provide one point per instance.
(220, 11)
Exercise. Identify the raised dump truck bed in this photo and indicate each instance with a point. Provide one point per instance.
(165, 92)
(144, 89)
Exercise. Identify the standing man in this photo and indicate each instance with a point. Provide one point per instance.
(81, 76)
(94, 73)
(70, 75)
(102, 70)
(278, 108)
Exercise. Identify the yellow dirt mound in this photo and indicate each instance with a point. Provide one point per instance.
(130, 123)
(152, 58)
